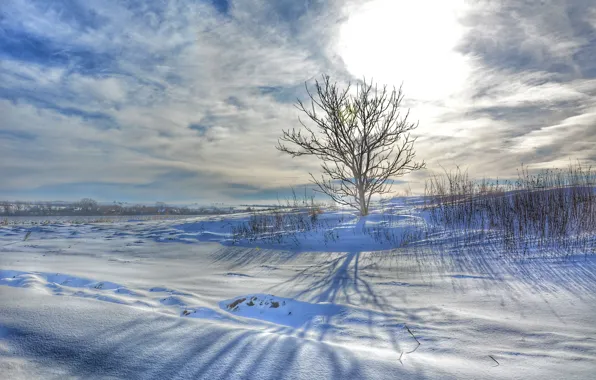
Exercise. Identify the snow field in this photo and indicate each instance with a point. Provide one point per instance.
(184, 299)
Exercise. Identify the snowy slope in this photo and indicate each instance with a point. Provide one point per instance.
(181, 299)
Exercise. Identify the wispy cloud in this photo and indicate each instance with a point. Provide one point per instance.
(177, 100)
(530, 94)
(122, 92)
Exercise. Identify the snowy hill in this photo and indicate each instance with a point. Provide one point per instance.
(219, 297)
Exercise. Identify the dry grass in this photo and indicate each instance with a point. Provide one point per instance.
(550, 209)
(295, 217)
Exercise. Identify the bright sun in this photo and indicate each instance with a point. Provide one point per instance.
(395, 41)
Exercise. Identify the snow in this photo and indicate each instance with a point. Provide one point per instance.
(281, 311)
(182, 299)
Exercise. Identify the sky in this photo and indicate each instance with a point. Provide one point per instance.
(184, 100)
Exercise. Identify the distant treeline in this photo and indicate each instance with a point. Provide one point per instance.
(90, 207)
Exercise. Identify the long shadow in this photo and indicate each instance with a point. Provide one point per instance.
(163, 347)
(242, 257)
(496, 269)
(337, 278)
(339, 281)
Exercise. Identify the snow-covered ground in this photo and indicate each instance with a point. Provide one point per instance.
(171, 299)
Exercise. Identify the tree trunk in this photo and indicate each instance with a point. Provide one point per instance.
(362, 201)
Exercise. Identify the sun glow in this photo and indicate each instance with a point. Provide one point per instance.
(395, 41)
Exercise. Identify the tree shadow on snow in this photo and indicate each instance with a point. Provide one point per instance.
(164, 347)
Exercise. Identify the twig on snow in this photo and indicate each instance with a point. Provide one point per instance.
(495, 360)
(409, 352)
(417, 341)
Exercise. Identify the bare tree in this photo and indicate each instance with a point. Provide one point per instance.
(5, 207)
(88, 205)
(20, 206)
(362, 141)
(162, 207)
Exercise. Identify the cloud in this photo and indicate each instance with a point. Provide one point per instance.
(184, 99)
(530, 94)
(127, 91)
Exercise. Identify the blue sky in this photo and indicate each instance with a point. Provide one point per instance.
(182, 101)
